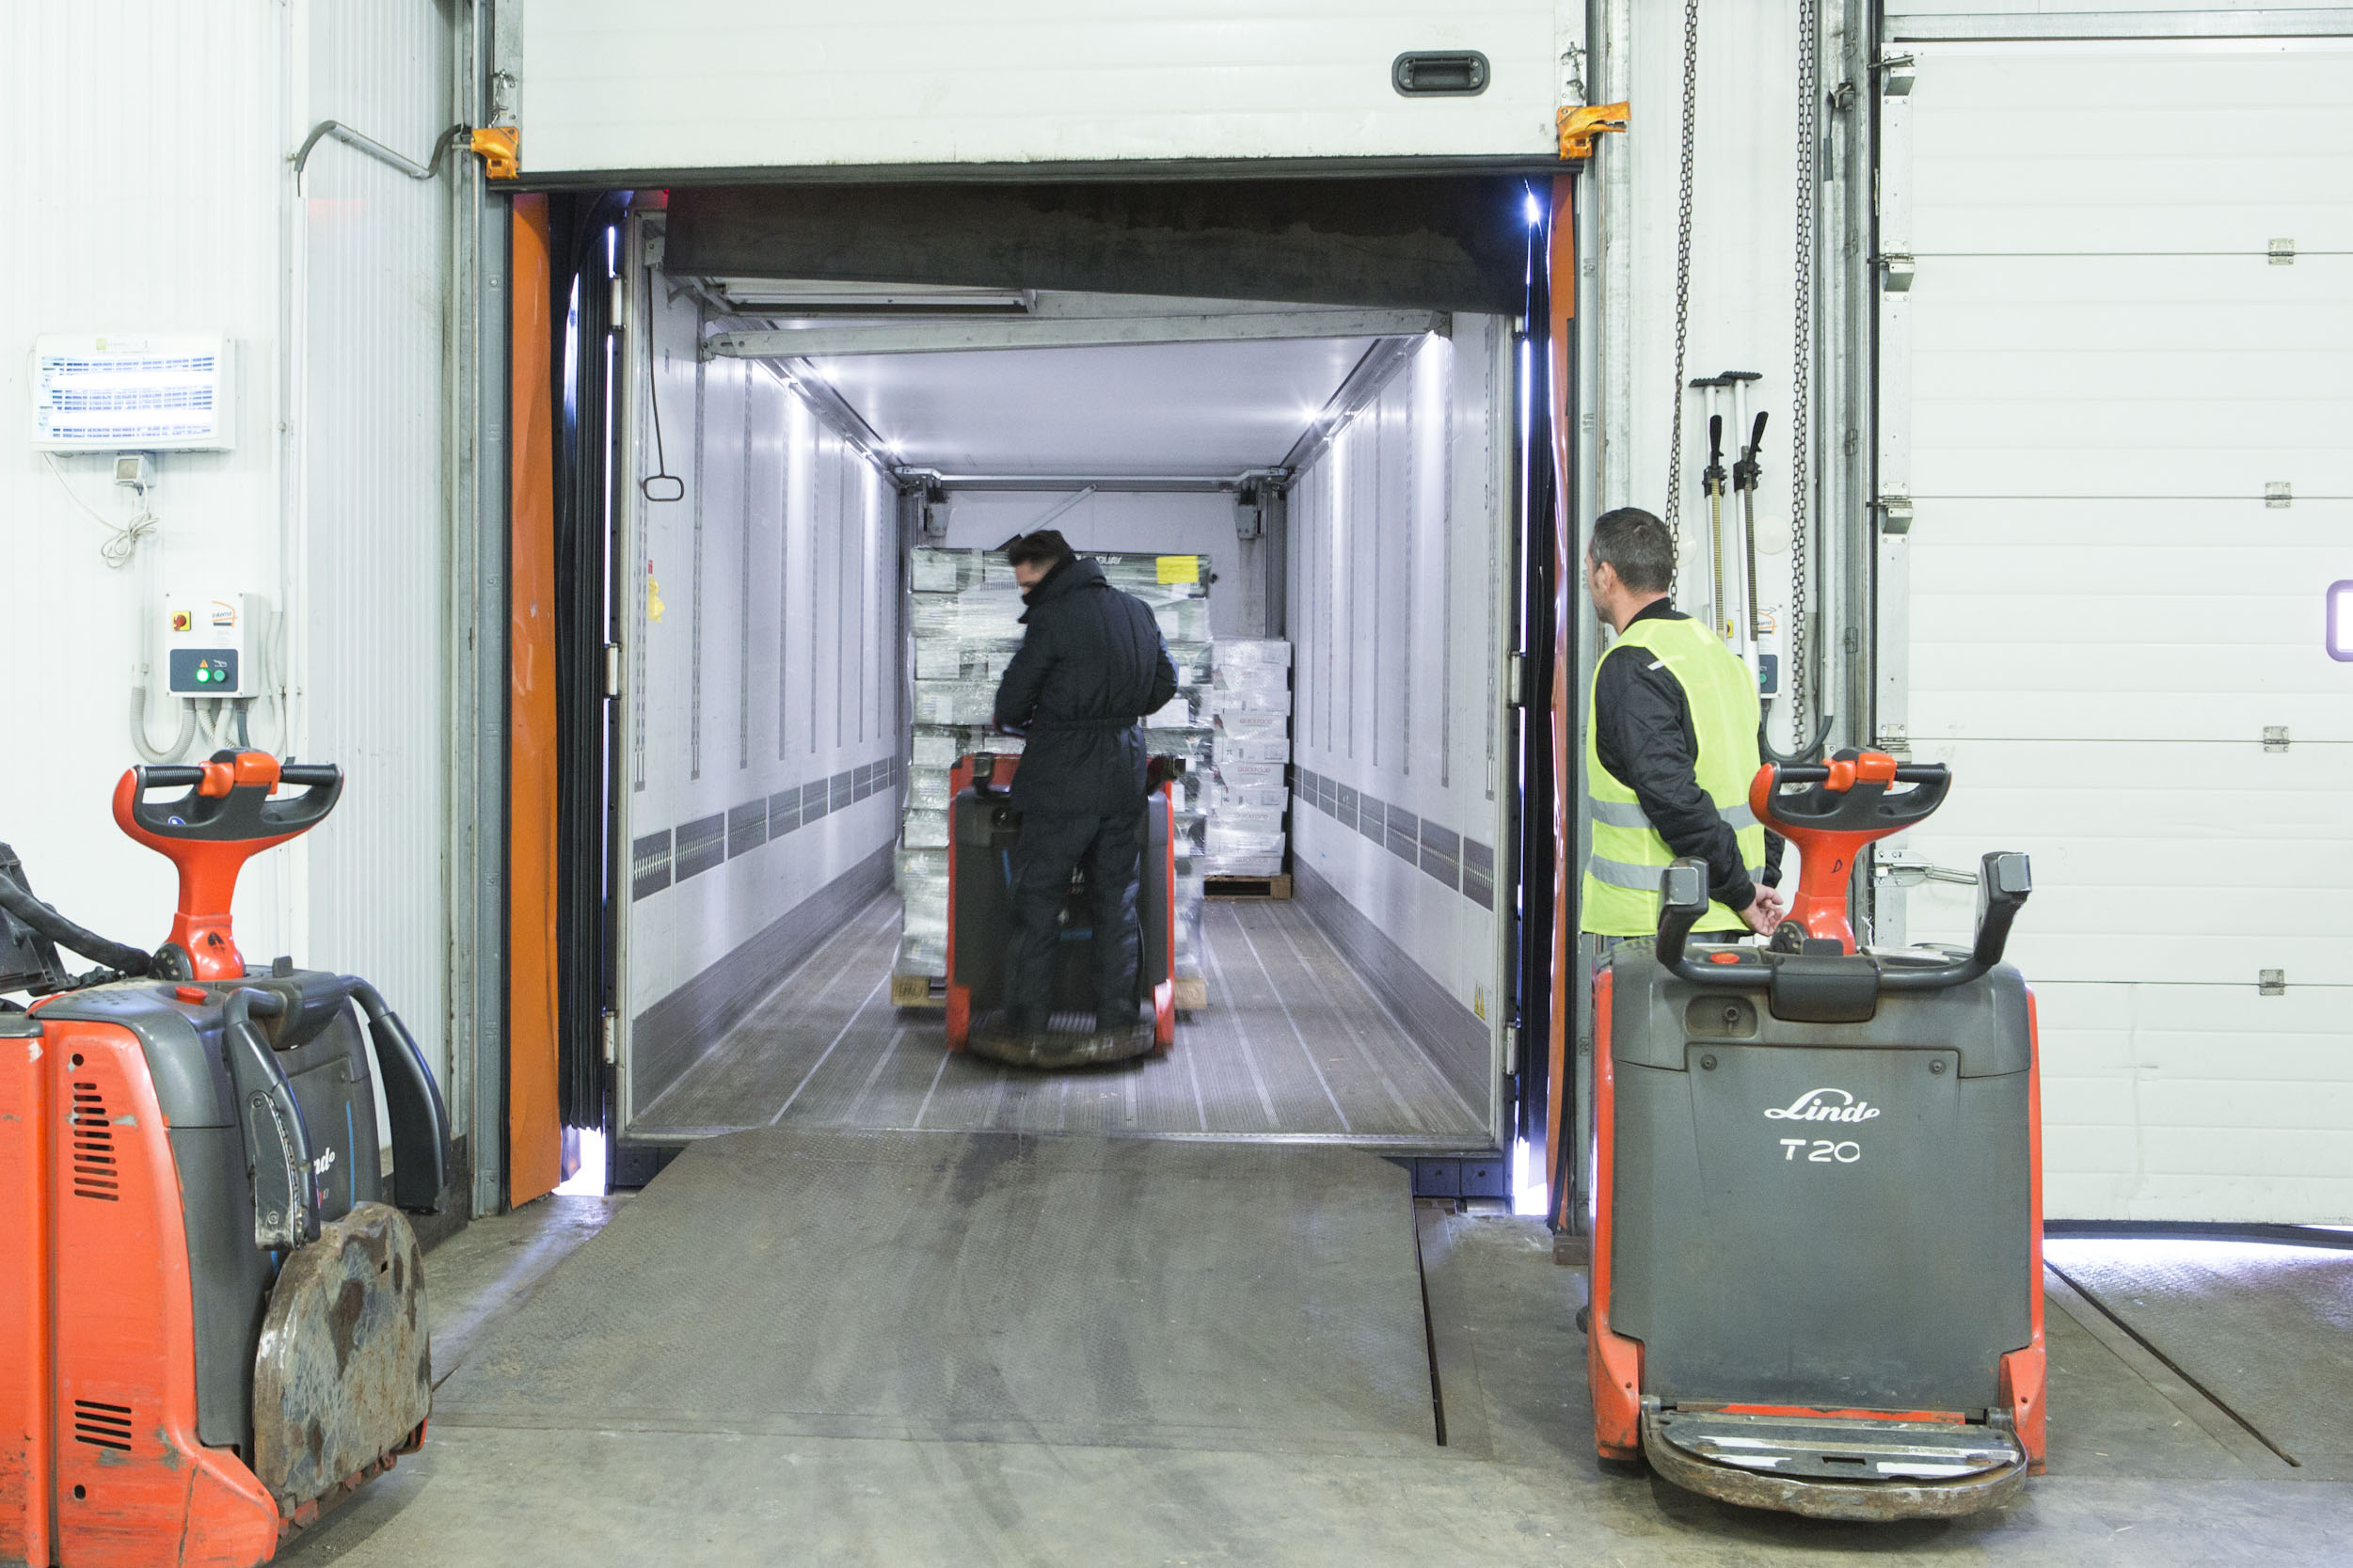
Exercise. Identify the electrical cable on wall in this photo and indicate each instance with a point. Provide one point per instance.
(122, 538)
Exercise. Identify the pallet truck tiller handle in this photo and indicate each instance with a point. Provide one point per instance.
(227, 816)
(1831, 810)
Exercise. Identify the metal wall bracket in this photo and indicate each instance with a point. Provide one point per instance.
(1580, 127)
(1896, 268)
(501, 150)
(1894, 513)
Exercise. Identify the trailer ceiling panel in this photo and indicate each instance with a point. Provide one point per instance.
(1205, 409)
(1441, 243)
(611, 89)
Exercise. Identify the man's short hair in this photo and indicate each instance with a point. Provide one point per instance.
(1046, 545)
(1638, 545)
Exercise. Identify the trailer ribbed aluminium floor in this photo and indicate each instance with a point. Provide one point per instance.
(984, 1287)
(1295, 1043)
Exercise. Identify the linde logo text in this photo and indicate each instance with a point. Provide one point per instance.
(1816, 1105)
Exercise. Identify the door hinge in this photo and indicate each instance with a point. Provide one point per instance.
(2279, 494)
(2271, 982)
(2282, 253)
(1896, 740)
(620, 300)
(613, 669)
(1511, 1052)
(611, 1029)
(2275, 738)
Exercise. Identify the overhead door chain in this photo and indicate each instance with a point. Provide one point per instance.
(1683, 261)
(1801, 396)
(1800, 378)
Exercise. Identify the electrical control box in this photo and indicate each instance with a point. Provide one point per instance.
(213, 643)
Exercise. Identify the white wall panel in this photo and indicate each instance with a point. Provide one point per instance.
(1395, 617)
(1743, 275)
(168, 206)
(181, 232)
(2095, 375)
(770, 664)
(375, 248)
(731, 84)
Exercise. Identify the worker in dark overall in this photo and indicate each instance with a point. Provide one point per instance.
(1670, 748)
(1092, 665)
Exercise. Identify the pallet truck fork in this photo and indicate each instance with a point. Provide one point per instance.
(983, 827)
(213, 1320)
(1817, 1236)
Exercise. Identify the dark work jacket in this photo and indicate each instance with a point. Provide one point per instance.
(1092, 665)
(1642, 732)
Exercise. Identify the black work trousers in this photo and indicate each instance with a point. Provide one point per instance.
(1051, 846)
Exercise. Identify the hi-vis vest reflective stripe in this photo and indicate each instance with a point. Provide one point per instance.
(1621, 888)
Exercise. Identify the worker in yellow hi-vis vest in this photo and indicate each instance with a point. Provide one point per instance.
(1670, 748)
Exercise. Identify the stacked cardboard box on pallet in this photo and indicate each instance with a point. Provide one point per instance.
(1250, 759)
(965, 621)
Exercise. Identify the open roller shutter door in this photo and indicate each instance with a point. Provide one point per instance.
(2097, 617)
(609, 89)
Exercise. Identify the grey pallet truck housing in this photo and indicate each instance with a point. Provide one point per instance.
(1912, 1278)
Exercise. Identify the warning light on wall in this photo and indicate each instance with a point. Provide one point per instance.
(2340, 621)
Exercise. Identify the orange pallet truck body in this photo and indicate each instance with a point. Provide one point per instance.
(211, 1313)
(983, 830)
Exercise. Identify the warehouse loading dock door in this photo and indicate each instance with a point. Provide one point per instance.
(610, 94)
(2113, 398)
(767, 644)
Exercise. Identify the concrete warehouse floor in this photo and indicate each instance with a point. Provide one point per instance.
(2144, 1467)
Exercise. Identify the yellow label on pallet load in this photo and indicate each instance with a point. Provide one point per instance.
(1180, 569)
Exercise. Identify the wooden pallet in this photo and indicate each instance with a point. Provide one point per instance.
(1248, 887)
(925, 991)
(918, 990)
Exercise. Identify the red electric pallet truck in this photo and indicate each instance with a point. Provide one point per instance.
(1817, 1232)
(983, 827)
(212, 1309)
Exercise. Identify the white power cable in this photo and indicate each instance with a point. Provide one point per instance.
(122, 538)
(177, 746)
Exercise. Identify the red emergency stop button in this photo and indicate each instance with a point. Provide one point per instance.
(190, 994)
(1723, 957)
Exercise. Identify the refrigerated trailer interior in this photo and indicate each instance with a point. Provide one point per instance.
(763, 725)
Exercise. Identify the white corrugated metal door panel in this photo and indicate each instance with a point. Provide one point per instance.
(2105, 367)
(615, 85)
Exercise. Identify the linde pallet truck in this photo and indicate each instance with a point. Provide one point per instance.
(983, 829)
(1817, 1237)
(212, 1308)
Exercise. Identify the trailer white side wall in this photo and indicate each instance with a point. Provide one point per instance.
(762, 733)
(1401, 552)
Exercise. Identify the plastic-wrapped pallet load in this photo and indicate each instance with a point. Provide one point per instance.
(1251, 750)
(964, 623)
